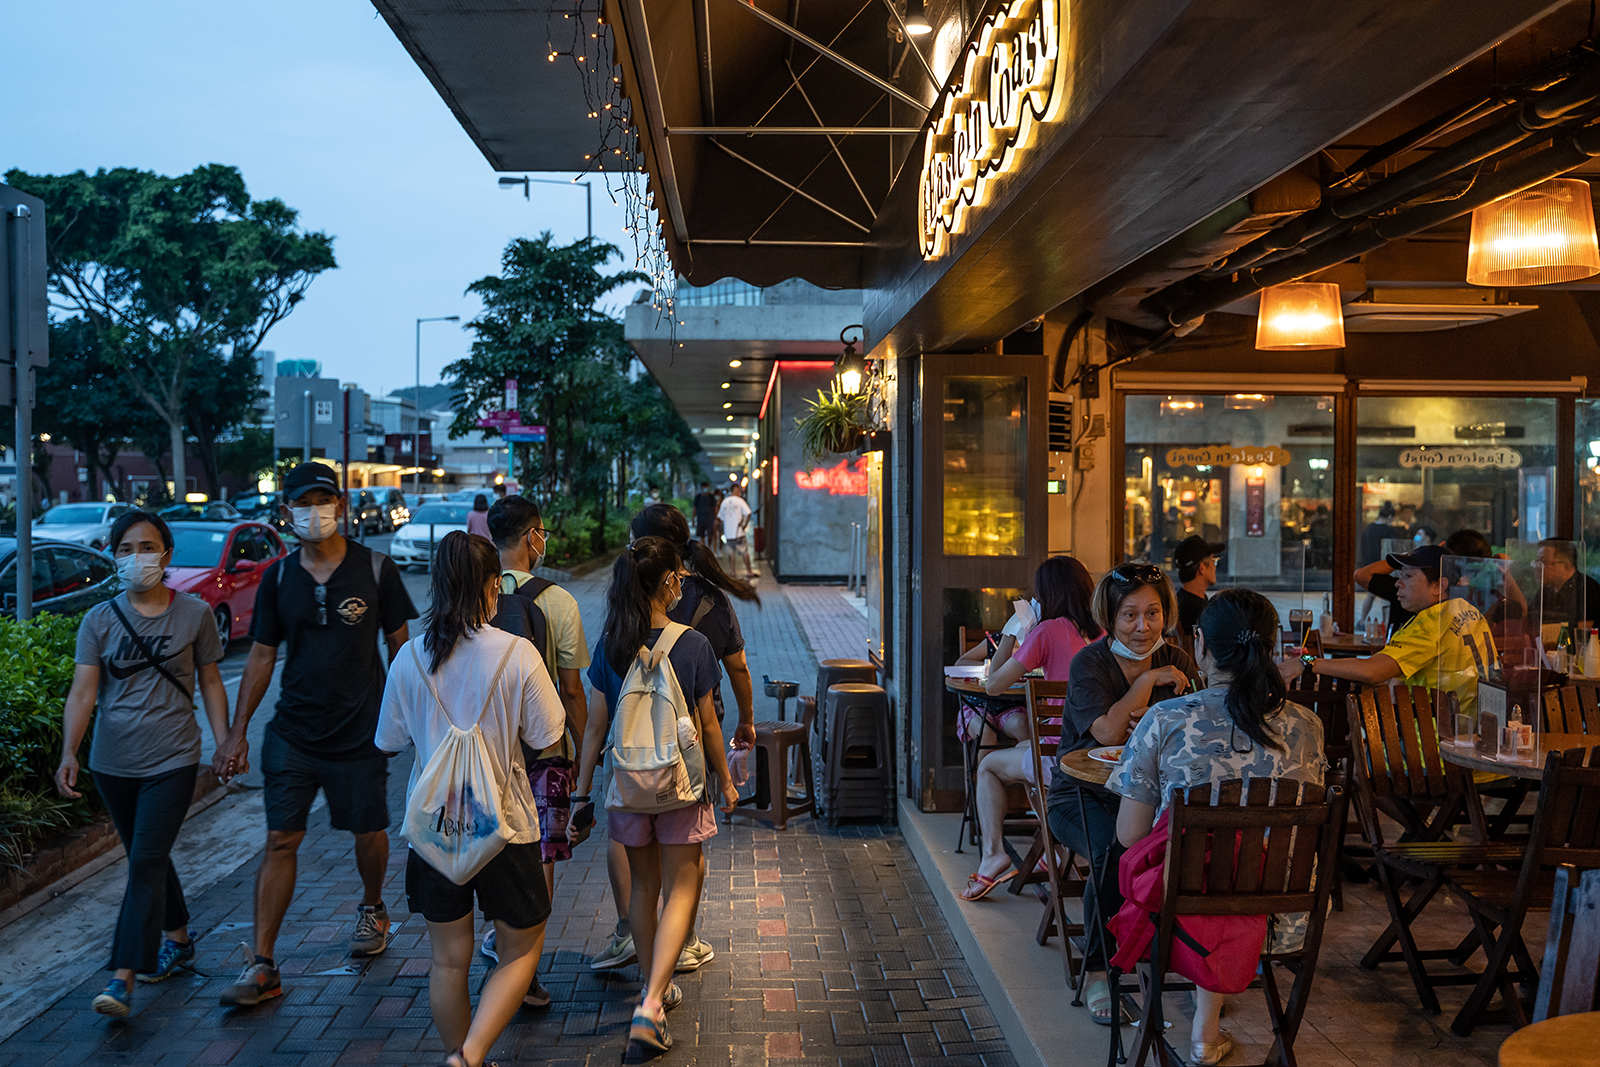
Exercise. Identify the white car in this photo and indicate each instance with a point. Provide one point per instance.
(411, 547)
(83, 524)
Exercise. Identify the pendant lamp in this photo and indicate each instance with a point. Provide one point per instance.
(1300, 315)
(1539, 236)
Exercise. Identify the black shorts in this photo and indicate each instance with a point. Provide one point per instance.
(357, 790)
(510, 888)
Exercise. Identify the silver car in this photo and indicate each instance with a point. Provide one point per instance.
(414, 542)
(83, 524)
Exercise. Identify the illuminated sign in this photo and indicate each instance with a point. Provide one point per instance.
(842, 479)
(1011, 81)
(1506, 459)
(1228, 456)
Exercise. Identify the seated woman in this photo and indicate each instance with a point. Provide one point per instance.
(1241, 726)
(1062, 587)
(1112, 682)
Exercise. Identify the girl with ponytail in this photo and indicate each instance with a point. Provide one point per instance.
(1240, 726)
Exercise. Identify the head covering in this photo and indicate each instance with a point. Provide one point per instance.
(309, 476)
(1196, 549)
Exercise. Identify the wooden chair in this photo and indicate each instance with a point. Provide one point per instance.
(1398, 771)
(1566, 830)
(1063, 878)
(1250, 858)
(1568, 981)
(1328, 698)
(1573, 709)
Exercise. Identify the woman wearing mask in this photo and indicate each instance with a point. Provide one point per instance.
(497, 681)
(138, 656)
(1240, 726)
(1062, 590)
(1112, 682)
(663, 850)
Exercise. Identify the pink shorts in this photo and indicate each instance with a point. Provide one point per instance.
(681, 826)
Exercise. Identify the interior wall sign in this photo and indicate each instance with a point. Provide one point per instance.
(1012, 80)
(1228, 456)
(1506, 459)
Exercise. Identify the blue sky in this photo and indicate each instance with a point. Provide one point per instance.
(318, 104)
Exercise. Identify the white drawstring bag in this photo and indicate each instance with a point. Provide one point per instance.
(454, 818)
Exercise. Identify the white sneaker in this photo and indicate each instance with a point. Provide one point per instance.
(696, 954)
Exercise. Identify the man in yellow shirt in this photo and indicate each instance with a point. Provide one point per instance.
(1444, 647)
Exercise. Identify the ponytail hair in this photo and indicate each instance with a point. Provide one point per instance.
(462, 568)
(1065, 589)
(635, 578)
(666, 521)
(1240, 627)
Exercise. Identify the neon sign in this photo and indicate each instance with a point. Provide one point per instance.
(1011, 82)
(841, 479)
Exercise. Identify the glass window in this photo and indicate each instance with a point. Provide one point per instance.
(985, 465)
(981, 611)
(70, 571)
(1586, 494)
(1251, 471)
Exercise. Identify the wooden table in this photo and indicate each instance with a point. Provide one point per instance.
(1468, 756)
(1084, 768)
(1349, 645)
(1566, 1039)
(973, 687)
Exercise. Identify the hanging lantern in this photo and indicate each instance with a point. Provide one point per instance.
(1539, 236)
(1300, 315)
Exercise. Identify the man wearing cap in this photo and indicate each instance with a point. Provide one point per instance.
(329, 599)
(1445, 646)
(1197, 572)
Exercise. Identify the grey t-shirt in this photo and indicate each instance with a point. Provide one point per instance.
(144, 726)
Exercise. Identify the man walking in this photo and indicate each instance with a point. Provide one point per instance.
(329, 599)
(705, 514)
(735, 516)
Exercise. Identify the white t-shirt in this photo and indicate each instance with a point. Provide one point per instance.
(525, 705)
(733, 512)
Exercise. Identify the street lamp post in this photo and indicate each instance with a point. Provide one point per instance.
(416, 404)
(588, 190)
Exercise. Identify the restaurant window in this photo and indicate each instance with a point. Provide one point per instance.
(985, 465)
(980, 611)
(1253, 471)
(1586, 495)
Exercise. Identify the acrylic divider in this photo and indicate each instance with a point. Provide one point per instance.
(1489, 672)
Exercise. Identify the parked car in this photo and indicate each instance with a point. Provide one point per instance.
(223, 566)
(467, 496)
(202, 511)
(84, 524)
(67, 578)
(259, 506)
(366, 516)
(417, 500)
(410, 547)
(396, 513)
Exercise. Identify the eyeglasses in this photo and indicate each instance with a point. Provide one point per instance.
(1143, 573)
(321, 594)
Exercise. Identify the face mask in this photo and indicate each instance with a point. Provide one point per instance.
(677, 599)
(140, 571)
(1122, 650)
(314, 523)
(1038, 612)
(536, 558)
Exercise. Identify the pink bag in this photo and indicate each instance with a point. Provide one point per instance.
(738, 764)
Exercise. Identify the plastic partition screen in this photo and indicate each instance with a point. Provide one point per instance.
(1480, 650)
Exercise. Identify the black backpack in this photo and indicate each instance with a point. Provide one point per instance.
(519, 614)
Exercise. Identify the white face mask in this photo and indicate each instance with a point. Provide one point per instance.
(536, 558)
(314, 523)
(140, 571)
(1122, 650)
(677, 599)
(1038, 612)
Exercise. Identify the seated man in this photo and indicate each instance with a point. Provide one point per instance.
(1445, 646)
(1570, 596)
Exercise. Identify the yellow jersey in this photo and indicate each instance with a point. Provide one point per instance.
(1444, 647)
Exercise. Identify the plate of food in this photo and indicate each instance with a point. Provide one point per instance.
(1109, 754)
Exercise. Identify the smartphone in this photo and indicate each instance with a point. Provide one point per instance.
(583, 818)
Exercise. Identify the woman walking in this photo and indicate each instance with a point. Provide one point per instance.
(663, 850)
(478, 518)
(463, 672)
(138, 657)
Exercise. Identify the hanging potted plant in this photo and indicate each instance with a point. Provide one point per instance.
(834, 424)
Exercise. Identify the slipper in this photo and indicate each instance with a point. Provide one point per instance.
(980, 886)
(1097, 997)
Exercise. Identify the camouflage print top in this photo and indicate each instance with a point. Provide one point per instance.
(1191, 740)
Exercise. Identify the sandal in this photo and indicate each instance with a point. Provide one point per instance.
(981, 885)
(1097, 997)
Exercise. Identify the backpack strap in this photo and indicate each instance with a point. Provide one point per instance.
(663, 646)
(533, 587)
(494, 683)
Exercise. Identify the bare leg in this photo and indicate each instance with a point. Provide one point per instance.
(1207, 1017)
(677, 869)
(503, 991)
(275, 887)
(621, 883)
(451, 945)
(372, 861)
(995, 771)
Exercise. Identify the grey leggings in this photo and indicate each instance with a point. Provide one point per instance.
(148, 813)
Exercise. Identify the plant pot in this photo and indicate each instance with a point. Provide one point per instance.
(842, 439)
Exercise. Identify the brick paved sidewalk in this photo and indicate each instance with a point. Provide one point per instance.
(830, 948)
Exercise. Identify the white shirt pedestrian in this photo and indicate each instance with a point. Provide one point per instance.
(733, 513)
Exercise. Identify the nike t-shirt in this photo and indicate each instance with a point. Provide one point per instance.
(144, 725)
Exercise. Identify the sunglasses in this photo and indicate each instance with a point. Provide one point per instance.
(1142, 573)
(321, 593)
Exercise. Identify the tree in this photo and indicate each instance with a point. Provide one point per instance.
(169, 271)
(223, 391)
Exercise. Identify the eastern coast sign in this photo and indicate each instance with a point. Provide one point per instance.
(1506, 459)
(1011, 80)
(1228, 456)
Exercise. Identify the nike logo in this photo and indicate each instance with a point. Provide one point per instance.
(121, 673)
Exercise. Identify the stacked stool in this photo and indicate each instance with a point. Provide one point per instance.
(830, 672)
(859, 778)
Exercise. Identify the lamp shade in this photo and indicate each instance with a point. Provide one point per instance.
(1539, 236)
(1300, 315)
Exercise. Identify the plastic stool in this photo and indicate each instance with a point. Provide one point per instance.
(859, 782)
(774, 740)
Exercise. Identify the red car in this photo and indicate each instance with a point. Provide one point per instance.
(223, 565)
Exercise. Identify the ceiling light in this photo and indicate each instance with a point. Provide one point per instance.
(729, 418)
(916, 19)
(735, 362)
(1539, 236)
(727, 404)
(1300, 315)
(727, 385)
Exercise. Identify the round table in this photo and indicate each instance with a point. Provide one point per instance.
(973, 687)
(1081, 766)
(1467, 755)
(1552, 1043)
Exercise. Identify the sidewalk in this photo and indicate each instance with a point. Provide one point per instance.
(830, 948)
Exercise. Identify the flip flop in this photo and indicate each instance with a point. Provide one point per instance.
(1097, 998)
(980, 885)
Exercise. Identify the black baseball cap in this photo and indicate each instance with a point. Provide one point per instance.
(309, 476)
(1426, 558)
(1197, 549)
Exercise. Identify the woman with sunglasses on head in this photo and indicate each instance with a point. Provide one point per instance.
(1111, 684)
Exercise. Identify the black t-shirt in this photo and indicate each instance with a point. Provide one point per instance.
(1387, 587)
(1190, 605)
(1095, 682)
(705, 509)
(1564, 605)
(719, 625)
(332, 681)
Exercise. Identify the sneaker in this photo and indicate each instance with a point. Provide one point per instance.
(647, 1036)
(672, 998)
(537, 995)
(116, 1001)
(173, 956)
(619, 953)
(696, 954)
(257, 982)
(487, 949)
(372, 930)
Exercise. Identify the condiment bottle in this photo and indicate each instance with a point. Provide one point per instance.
(1591, 655)
(1325, 620)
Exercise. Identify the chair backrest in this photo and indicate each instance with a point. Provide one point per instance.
(1328, 697)
(964, 644)
(1252, 849)
(1573, 709)
(1566, 826)
(1567, 981)
(1044, 712)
